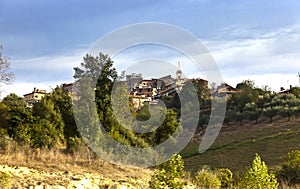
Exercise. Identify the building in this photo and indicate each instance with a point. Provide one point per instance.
(35, 96)
(285, 91)
(71, 89)
(225, 90)
(142, 92)
(133, 79)
(179, 73)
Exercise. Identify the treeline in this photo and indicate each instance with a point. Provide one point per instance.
(171, 174)
(250, 103)
(50, 123)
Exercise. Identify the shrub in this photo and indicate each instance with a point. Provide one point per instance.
(206, 179)
(4, 179)
(290, 171)
(225, 176)
(168, 174)
(258, 176)
(75, 144)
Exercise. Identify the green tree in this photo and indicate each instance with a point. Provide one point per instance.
(296, 91)
(169, 174)
(99, 71)
(203, 92)
(252, 113)
(18, 118)
(48, 130)
(248, 94)
(258, 176)
(169, 126)
(63, 103)
(290, 170)
(3, 117)
(271, 112)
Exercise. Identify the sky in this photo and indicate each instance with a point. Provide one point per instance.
(257, 40)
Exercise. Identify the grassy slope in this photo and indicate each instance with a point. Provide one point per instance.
(237, 145)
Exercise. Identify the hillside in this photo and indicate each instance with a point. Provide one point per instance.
(237, 145)
(53, 169)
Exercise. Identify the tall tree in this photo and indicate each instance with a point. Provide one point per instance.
(48, 130)
(99, 71)
(63, 103)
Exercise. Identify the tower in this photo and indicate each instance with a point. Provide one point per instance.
(179, 72)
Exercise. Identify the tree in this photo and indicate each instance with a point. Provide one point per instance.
(48, 130)
(6, 76)
(252, 112)
(258, 176)
(290, 170)
(63, 102)
(169, 126)
(296, 91)
(271, 112)
(3, 117)
(248, 94)
(203, 92)
(169, 174)
(18, 118)
(99, 72)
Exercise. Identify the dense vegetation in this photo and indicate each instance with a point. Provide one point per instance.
(50, 124)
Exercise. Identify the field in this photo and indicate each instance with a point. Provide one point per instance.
(236, 146)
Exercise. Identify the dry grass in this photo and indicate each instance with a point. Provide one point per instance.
(58, 162)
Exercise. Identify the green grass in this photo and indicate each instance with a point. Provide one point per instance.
(236, 146)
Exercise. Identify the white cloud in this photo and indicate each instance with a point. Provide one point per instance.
(22, 88)
(270, 59)
(46, 68)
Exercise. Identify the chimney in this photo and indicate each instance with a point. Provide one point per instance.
(291, 87)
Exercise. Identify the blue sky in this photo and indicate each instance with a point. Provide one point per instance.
(257, 40)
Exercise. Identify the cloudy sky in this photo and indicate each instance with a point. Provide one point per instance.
(257, 40)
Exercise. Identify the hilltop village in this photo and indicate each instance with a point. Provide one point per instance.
(141, 90)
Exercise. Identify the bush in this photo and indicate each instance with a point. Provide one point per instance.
(258, 176)
(206, 179)
(225, 176)
(290, 171)
(4, 179)
(169, 174)
(75, 144)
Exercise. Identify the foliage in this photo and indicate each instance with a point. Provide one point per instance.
(49, 127)
(169, 126)
(225, 176)
(5, 179)
(258, 176)
(18, 117)
(271, 112)
(290, 171)
(205, 178)
(75, 144)
(63, 102)
(99, 71)
(169, 174)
